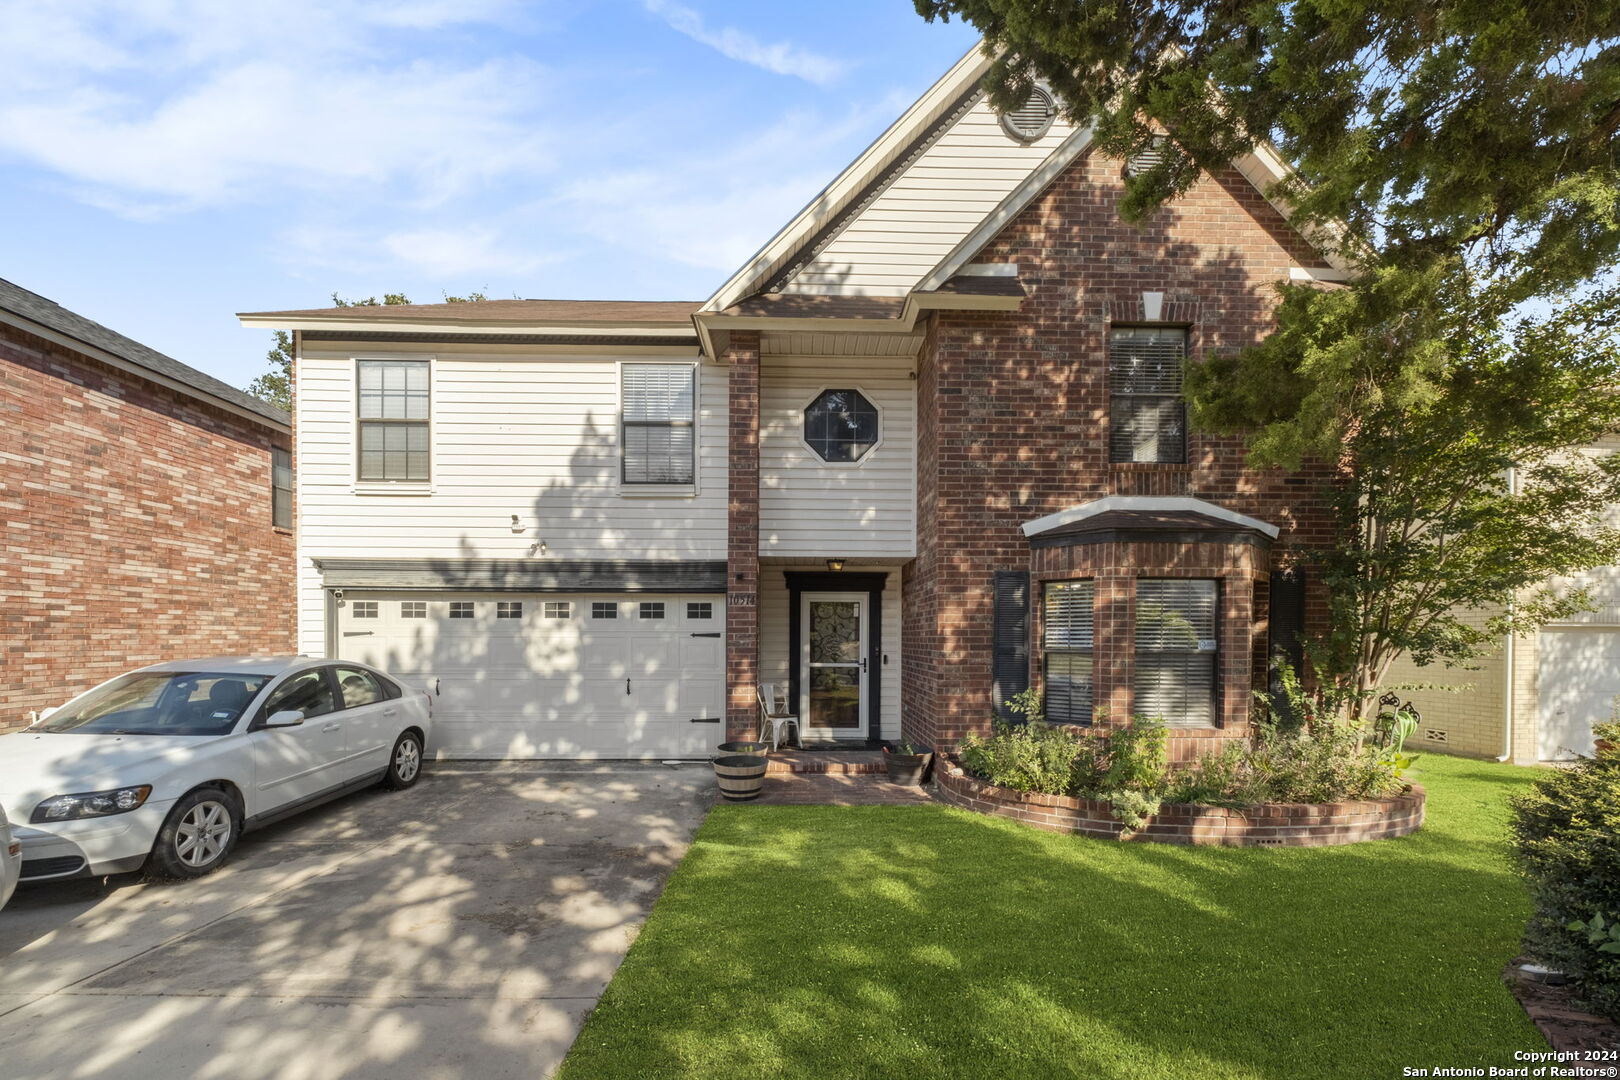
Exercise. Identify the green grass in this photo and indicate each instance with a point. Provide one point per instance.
(922, 942)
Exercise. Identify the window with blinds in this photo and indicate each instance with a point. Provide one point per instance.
(1176, 624)
(1066, 648)
(393, 408)
(1146, 413)
(659, 423)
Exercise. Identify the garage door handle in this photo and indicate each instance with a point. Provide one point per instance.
(627, 686)
(705, 720)
(714, 633)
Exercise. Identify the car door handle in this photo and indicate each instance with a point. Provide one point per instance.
(390, 712)
(331, 727)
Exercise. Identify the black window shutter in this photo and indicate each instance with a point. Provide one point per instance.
(1009, 664)
(1286, 644)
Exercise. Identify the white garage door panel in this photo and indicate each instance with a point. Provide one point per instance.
(1577, 684)
(533, 686)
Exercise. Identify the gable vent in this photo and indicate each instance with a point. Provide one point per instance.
(1033, 118)
(1150, 158)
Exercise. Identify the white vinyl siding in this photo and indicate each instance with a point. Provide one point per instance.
(775, 617)
(810, 507)
(1176, 631)
(516, 431)
(915, 223)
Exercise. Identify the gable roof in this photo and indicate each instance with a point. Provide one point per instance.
(48, 319)
(953, 117)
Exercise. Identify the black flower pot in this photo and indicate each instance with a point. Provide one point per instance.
(908, 770)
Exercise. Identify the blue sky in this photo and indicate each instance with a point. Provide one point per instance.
(166, 163)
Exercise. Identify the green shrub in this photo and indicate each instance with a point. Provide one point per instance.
(1222, 777)
(1324, 763)
(1137, 756)
(1566, 833)
(1025, 757)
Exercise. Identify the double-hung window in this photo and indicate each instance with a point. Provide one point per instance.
(1147, 416)
(1067, 644)
(659, 422)
(281, 488)
(1176, 622)
(393, 421)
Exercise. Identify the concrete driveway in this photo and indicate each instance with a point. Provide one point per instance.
(460, 929)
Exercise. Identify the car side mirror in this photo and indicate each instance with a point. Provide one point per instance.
(285, 718)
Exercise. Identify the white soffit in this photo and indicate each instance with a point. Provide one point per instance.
(1150, 503)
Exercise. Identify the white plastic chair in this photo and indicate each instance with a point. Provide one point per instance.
(773, 713)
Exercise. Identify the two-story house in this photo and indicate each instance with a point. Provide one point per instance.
(926, 449)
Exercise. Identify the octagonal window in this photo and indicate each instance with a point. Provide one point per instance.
(841, 425)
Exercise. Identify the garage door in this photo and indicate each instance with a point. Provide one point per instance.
(550, 676)
(1577, 685)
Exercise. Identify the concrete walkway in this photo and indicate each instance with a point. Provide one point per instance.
(461, 929)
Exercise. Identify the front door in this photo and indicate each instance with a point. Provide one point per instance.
(832, 666)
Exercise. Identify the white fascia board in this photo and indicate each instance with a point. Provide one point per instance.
(130, 367)
(501, 328)
(1161, 504)
(832, 199)
(1010, 207)
(988, 270)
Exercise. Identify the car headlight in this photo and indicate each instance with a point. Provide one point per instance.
(91, 804)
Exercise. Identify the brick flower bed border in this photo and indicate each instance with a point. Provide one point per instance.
(1270, 825)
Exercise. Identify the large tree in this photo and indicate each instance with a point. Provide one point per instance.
(1460, 156)
(275, 385)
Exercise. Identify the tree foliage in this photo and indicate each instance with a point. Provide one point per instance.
(275, 385)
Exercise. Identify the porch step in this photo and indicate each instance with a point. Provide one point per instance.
(826, 762)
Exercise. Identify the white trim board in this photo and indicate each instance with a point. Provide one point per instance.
(1153, 503)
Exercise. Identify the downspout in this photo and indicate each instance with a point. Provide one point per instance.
(1508, 686)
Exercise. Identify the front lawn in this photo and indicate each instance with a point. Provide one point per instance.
(922, 942)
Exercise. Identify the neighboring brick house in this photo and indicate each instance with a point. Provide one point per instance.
(926, 449)
(141, 511)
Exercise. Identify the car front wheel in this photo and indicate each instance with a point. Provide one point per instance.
(405, 763)
(197, 835)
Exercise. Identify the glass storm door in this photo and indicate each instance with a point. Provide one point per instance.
(832, 671)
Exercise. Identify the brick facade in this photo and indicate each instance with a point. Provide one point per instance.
(137, 527)
(742, 544)
(1013, 425)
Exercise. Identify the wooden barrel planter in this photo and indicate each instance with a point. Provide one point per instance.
(741, 776)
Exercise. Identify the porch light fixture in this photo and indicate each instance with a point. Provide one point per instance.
(835, 565)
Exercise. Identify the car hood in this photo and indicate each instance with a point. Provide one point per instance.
(36, 765)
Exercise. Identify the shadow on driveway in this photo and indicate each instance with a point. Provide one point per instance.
(462, 928)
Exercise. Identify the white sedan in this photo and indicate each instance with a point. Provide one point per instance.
(10, 860)
(167, 766)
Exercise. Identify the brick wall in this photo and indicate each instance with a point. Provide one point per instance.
(137, 528)
(742, 537)
(1013, 407)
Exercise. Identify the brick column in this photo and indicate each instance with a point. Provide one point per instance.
(741, 354)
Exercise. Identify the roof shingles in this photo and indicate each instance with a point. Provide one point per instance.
(36, 309)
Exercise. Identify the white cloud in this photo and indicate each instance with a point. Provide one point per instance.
(782, 58)
(182, 106)
(713, 209)
(438, 252)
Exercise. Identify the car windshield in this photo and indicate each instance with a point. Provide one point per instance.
(159, 703)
